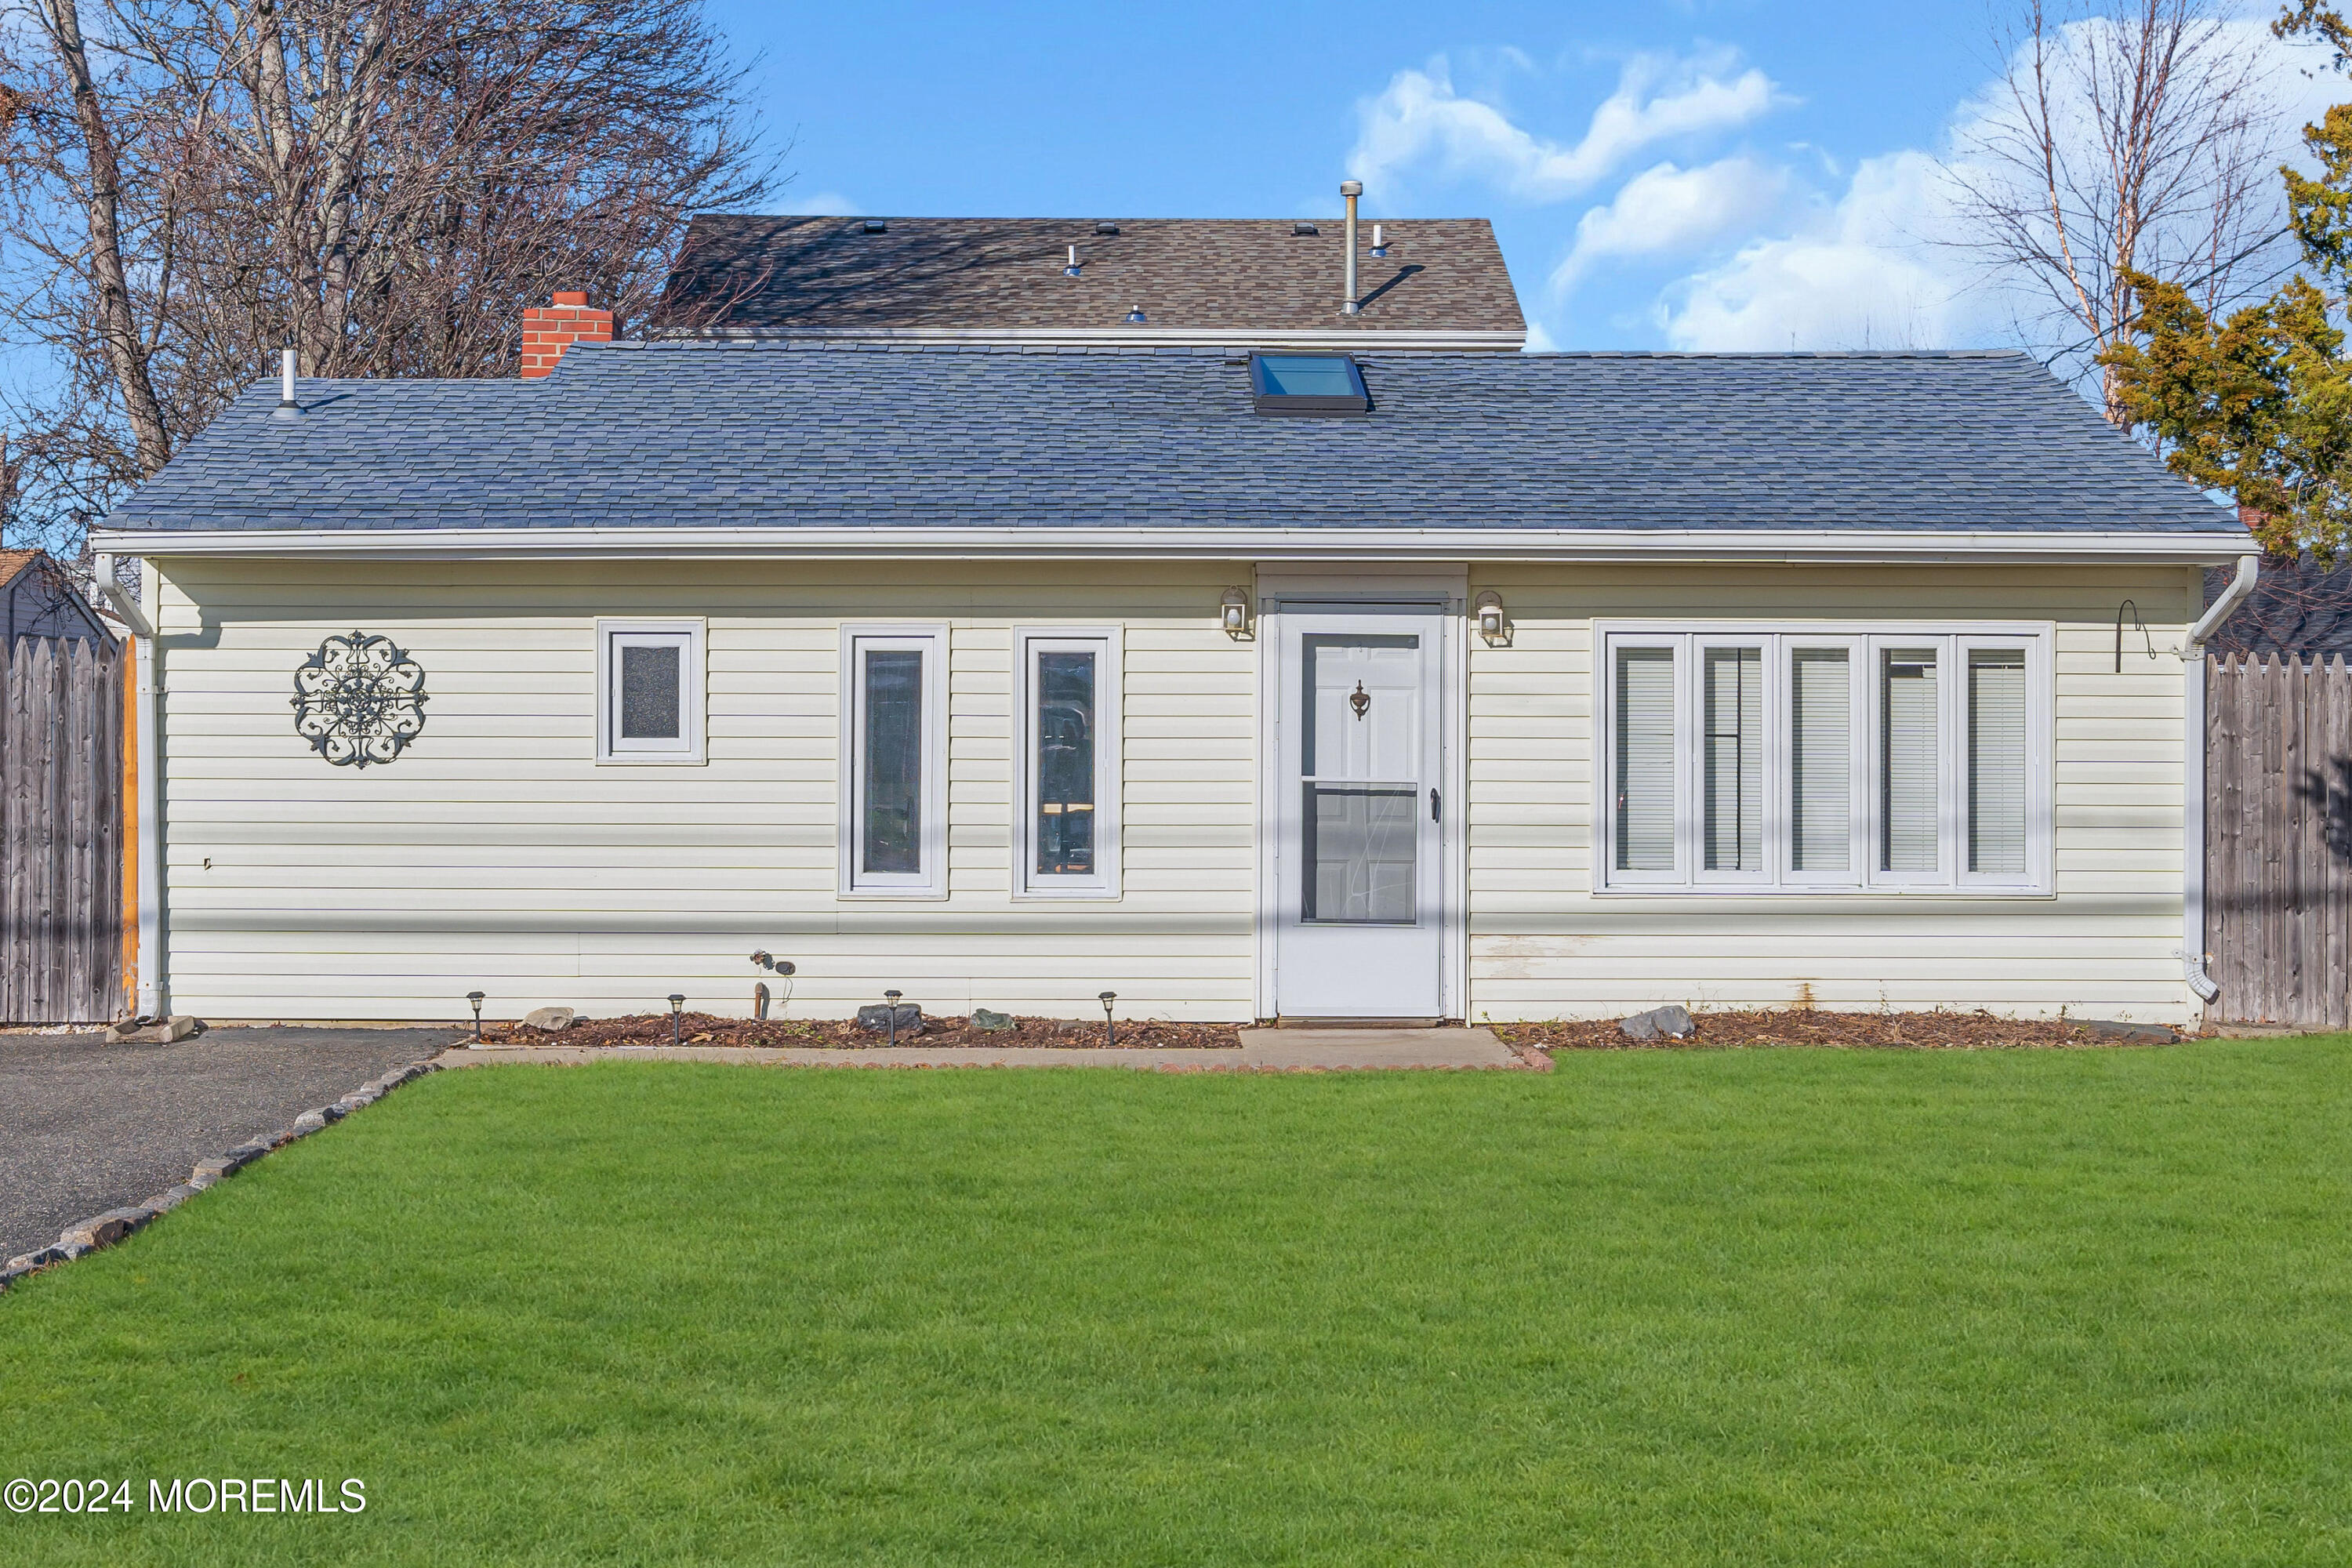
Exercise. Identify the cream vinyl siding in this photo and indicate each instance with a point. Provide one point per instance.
(1543, 944)
(494, 853)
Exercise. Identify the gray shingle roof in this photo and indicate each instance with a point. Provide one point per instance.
(770, 436)
(776, 274)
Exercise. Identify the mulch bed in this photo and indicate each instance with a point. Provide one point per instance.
(841, 1033)
(1789, 1026)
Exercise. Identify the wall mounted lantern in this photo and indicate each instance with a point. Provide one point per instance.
(1491, 624)
(1234, 613)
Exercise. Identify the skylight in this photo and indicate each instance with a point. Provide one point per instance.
(1307, 384)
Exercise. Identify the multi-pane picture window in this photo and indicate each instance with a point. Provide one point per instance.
(894, 834)
(1067, 841)
(1825, 759)
(649, 707)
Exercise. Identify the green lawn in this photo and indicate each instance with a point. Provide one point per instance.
(1738, 1306)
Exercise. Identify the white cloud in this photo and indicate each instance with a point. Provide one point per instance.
(1419, 123)
(1876, 265)
(1856, 273)
(1667, 210)
(1538, 340)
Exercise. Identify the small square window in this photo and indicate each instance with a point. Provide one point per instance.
(650, 705)
(1307, 384)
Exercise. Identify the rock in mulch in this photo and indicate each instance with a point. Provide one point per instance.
(877, 1019)
(1670, 1022)
(553, 1019)
(989, 1023)
(1814, 1026)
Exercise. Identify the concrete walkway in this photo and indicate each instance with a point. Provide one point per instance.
(1293, 1050)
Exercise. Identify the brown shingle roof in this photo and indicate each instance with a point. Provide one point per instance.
(13, 562)
(1231, 280)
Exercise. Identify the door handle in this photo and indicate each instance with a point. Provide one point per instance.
(1432, 805)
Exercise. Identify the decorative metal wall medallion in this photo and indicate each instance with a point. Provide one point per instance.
(359, 700)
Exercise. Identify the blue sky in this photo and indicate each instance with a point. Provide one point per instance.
(1697, 175)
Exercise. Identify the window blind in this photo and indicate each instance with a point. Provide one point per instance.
(1645, 759)
(1821, 785)
(1908, 760)
(1732, 771)
(1997, 760)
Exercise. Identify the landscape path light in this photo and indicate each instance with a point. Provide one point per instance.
(476, 998)
(892, 998)
(677, 1001)
(1110, 1025)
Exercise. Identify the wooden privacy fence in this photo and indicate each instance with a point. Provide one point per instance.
(60, 831)
(2278, 840)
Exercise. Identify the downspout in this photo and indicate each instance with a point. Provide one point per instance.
(146, 666)
(2192, 901)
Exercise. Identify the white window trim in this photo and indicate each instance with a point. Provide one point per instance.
(1864, 641)
(931, 881)
(1111, 691)
(694, 704)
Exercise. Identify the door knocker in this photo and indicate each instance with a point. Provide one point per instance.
(1361, 700)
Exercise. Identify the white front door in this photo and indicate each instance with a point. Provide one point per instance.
(1359, 898)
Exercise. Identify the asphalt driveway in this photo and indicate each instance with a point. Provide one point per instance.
(85, 1127)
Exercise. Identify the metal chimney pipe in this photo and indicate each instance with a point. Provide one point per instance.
(1350, 189)
(287, 407)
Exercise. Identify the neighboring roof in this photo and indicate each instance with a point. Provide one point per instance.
(762, 435)
(39, 600)
(1443, 280)
(2298, 608)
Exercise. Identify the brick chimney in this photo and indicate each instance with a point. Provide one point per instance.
(549, 329)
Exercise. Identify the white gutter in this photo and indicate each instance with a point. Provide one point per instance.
(146, 668)
(2192, 903)
(1814, 547)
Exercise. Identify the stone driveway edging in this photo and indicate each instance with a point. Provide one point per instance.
(104, 1230)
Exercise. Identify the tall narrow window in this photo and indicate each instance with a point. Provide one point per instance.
(1067, 838)
(1997, 761)
(1821, 746)
(891, 808)
(894, 838)
(1910, 764)
(1731, 766)
(1065, 765)
(650, 709)
(1645, 702)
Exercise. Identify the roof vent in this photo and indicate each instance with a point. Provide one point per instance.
(1304, 228)
(1072, 269)
(1106, 228)
(1135, 317)
(1380, 242)
(874, 225)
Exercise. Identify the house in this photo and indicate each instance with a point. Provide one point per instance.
(39, 600)
(1264, 678)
